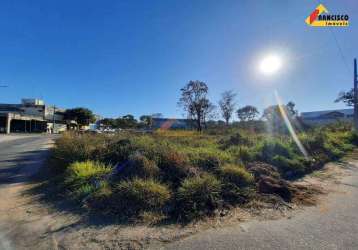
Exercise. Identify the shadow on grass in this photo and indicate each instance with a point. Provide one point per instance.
(52, 193)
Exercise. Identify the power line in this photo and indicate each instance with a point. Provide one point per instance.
(340, 50)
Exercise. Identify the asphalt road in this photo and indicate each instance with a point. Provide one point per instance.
(333, 224)
(20, 158)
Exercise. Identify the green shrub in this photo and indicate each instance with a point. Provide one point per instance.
(234, 140)
(198, 196)
(79, 173)
(101, 198)
(139, 166)
(271, 147)
(133, 196)
(233, 194)
(174, 167)
(202, 169)
(353, 138)
(83, 191)
(208, 159)
(313, 141)
(332, 151)
(76, 148)
(120, 150)
(237, 175)
(288, 167)
(242, 153)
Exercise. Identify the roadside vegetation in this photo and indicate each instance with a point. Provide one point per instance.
(182, 175)
(185, 175)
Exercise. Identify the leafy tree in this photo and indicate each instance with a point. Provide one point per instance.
(147, 120)
(346, 97)
(195, 102)
(227, 105)
(108, 122)
(247, 113)
(290, 106)
(126, 121)
(82, 116)
(273, 116)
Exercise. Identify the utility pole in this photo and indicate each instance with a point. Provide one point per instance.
(53, 119)
(355, 81)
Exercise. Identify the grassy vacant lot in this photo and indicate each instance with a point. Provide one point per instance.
(185, 175)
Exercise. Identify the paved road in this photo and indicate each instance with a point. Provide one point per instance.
(20, 158)
(331, 225)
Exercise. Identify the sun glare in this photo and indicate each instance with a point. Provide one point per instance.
(270, 64)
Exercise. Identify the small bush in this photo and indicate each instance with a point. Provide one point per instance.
(134, 196)
(235, 139)
(242, 153)
(83, 191)
(76, 148)
(209, 159)
(233, 194)
(174, 167)
(79, 173)
(288, 167)
(333, 152)
(198, 196)
(139, 166)
(272, 147)
(101, 198)
(120, 150)
(237, 175)
(353, 138)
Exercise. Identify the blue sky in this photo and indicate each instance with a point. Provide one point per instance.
(117, 57)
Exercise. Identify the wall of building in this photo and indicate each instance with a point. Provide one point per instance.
(32, 115)
(167, 123)
(325, 117)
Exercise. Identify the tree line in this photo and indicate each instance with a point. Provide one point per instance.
(195, 102)
(84, 116)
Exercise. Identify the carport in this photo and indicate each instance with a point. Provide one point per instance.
(13, 122)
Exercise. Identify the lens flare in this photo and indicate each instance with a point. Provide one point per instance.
(289, 126)
(270, 64)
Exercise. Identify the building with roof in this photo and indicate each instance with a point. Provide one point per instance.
(171, 123)
(30, 116)
(327, 116)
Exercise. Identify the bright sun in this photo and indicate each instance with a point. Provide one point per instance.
(270, 64)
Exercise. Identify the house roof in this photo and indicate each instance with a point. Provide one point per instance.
(314, 114)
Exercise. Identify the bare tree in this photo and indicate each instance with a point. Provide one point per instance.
(195, 102)
(227, 105)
